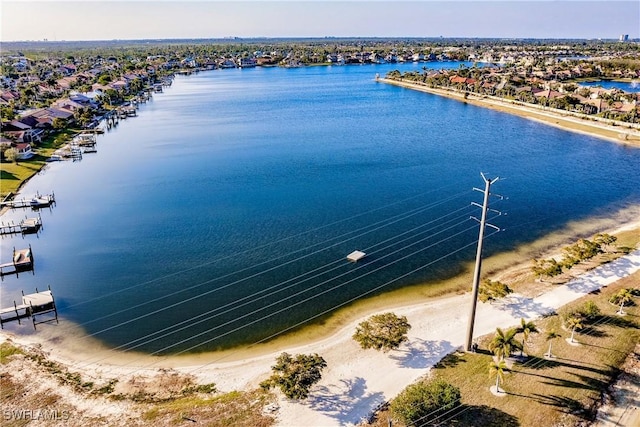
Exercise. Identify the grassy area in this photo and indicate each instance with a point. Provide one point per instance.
(229, 409)
(564, 390)
(6, 351)
(13, 175)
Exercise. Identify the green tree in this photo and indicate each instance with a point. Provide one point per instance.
(104, 79)
(382, 332)
(546, 267)
(498, 368)
(589, 311)
(11, 155)
(580, 251)
(574, 322)
(58, 123)
(491, 291)
(7, 112)
(551, 335)
(504, 343)
(622, 297)
(295, 376)
(418, 402)
(526, 329)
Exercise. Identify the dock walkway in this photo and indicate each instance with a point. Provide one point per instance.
(22, 260)
(36, 202)
(37, 304)
(26, 226)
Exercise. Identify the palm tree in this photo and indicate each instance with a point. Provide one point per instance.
(498, 369)
(622, 297)
(574, 322)
(551, 335)
(526, 328)
(504, 342)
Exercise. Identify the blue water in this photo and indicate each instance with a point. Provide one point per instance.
(230, 203)
(633, 86)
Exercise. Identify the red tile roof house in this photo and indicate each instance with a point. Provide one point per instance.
(549, 94)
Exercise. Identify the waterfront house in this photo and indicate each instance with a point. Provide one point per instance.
(23, 150)
(248, 62)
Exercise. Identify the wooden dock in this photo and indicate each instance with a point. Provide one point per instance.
(22, 260)
(26, 226)
(33, 305)
(85, 140)
(35, 203)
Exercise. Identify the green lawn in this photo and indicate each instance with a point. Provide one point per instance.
(13, 175)
(541, 392)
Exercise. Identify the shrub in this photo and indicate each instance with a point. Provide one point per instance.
(589, 311)
(295, 376)
(491, 291)
(580, 251)
(418, 402)
(546, 267)
(382, 332)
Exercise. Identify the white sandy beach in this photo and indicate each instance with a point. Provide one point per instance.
(356, 381)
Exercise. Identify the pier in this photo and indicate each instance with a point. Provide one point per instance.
(36, 202)
(22, 260)
(33, 305)
(26, 226)
(85, 139)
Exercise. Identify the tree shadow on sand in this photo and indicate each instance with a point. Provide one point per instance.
(421, 354)
(345, 400)
(525, 307)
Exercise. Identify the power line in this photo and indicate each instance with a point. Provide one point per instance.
(252, 298)
(346, 302)
(378, 225)
(325, 311)
(256, 248)
(145, 339)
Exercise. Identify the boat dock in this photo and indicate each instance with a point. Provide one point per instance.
(26, 226)
(85, 140)
(37, 304)
(36, 202)
(22, 260)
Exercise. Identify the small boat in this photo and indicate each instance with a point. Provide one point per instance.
(55, 158)
(40, 202)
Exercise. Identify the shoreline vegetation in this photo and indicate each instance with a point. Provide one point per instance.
(75, 360)
(69, 358)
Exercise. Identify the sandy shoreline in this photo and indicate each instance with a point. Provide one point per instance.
(618, 134)
(355, 381)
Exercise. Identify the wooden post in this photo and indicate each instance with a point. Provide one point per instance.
(53, 301)
(33, 315)
(15, 307)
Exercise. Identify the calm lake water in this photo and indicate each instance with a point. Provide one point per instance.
(633, 86)
(223, 213)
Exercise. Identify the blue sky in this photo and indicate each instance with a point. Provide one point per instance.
(159, 19)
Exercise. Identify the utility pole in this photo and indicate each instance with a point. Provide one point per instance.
(476, 274)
